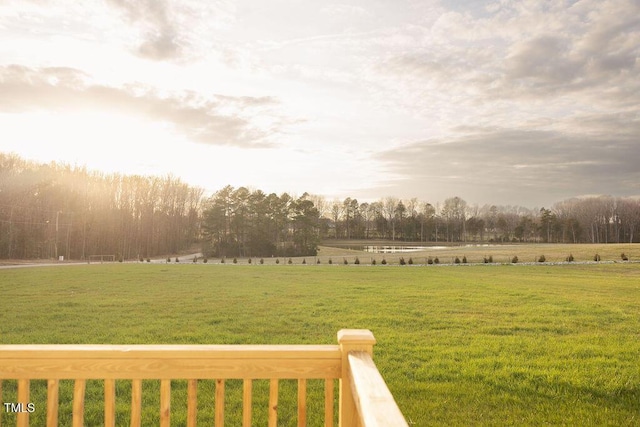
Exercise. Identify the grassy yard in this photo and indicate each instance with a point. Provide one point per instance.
(482, 345)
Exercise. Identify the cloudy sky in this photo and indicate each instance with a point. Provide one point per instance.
(507, 102)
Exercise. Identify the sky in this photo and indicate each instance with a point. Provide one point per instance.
(497, 102)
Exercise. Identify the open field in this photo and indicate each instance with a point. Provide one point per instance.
(475, 253)
(499, 345)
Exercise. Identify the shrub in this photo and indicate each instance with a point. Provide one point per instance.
(141, 259)
(542, 258)
(168, 259)
(290, 261)
(249, 260)
(436, 260)
(357, 261)
(148, 259)
(384, 261)
(318, 261)
(277, 260)
(235, 260)
(490, 258)
(429, 260)
(464, 259)
(205, 260)
(570, 258)
(222, 261)
(402, 262)
(261, 260)
(344, 261)
(177, 260)
(624, 257)
(457, 260)
(330, 261)
(304, 260)
(596, 258)
(120, 260)
(195, 259)
(486, 260)
(373, 262)
(514, 260)
(410, 262)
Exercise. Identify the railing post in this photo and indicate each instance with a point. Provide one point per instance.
(351, 340)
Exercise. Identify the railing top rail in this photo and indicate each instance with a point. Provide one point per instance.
(170, 361)
(171, 351)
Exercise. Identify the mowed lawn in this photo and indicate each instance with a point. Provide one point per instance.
(457, 345)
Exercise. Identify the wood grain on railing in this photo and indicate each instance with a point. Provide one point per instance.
(53, 387)
(23, 397)
(273, 403)
(136, 403)
(110, 403)
(302, 403)
(328, 403)
(192, 403)
(175, 361)
(246, 402)
(219, 417)
(375, 403)
(165, 403)
(78, 403)
(351, 340)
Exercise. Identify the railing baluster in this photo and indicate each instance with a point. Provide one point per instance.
(136, 403)
(302, 403)
(219, 418)
(273, 403)
(109, 403)
(23, 397)
(328, 402)
(52, 403)
(78, 403)
(192, 403)
(165, 403)
(246, 402)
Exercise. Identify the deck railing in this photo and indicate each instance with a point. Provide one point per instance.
(364, 399)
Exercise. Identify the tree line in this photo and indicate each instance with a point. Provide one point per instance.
(596, 219)
(51, 210)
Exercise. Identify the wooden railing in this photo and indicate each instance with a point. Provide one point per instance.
(364, 399)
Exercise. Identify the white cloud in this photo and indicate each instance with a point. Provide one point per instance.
(371, 86)
(222, 120)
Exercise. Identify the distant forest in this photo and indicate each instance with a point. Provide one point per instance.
(51, 210)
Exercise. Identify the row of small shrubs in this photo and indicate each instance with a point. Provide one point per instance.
(571, 258)
(401, 261)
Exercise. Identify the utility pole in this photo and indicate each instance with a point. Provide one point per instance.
(68, 233)
(10, 232)
(56, 242)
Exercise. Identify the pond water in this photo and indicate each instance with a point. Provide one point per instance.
(392, 249)
(399, 249)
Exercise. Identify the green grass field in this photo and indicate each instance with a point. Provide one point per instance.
(481, 345)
